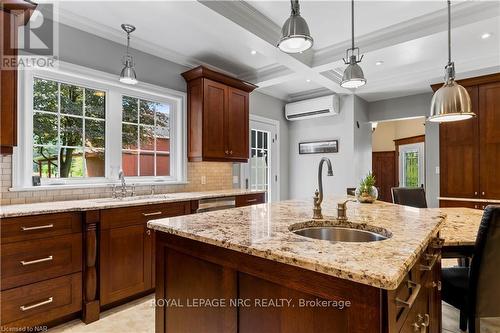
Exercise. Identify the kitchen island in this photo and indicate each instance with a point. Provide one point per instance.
(244, 270)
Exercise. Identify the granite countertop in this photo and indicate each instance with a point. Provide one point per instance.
(263, 231)
(103, 203)
(461, 226)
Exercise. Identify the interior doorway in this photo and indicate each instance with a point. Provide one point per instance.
(398, 157)
(261, 171)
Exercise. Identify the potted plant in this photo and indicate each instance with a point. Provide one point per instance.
(366, 192)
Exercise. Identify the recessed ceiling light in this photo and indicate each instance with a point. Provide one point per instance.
(253, 52)
(485, 35)
(308, 80)
(378, 63)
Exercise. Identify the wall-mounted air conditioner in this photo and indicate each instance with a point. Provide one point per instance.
(313, 108)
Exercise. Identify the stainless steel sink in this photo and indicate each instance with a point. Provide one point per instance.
(340, 234)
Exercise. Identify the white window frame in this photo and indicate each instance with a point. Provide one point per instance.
(81, 76)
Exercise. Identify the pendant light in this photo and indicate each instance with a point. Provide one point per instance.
(451, 102)
(353, 75)
(295, 35)
(128, 75)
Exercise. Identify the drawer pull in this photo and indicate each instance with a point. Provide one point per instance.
(427, 320)
(47, 226)
(415, 291)
(26, 263)
(433, 259)
(151, 214)
(252, 200)
(29, 307)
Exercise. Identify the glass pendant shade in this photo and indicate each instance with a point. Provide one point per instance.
(295, 35)
(353, 75)
(451, 102)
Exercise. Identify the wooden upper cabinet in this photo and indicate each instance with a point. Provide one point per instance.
(237, 124)
(12, 14)
(218, 121)
(489, 130)
(214, 104)
(470, 149)
(459, 155)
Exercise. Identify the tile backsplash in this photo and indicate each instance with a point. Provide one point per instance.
(218, 176)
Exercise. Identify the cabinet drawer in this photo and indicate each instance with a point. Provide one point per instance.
(41, 302)
(27, 262)
(122, 217)
(250, 199)
(418, 319)
(15, 229)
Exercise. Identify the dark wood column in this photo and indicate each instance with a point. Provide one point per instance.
(91, 307)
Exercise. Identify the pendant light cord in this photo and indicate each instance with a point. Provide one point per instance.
(295, 7)
(449, 31)
(352, 24)
(128, 42)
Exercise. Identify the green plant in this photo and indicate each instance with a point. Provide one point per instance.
(366, 183)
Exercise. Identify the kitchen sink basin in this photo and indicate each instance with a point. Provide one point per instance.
(339, 234)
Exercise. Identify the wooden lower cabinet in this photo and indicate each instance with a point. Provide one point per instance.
(250, 199)
(244, 286)
(126, 257)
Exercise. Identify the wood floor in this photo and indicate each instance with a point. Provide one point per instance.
(138, 316)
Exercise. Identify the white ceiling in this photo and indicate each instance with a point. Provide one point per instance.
(409, 36)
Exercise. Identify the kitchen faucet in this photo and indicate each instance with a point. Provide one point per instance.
(318, 195)
(121, 176)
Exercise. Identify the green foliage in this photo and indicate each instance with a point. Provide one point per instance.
(367, 183)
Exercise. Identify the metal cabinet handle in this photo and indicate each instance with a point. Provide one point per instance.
(26, 263)
(227, 152)
(409, 303)
(148, 232)
(475, 193)
(230, 152)
(29, 307)
(426, 321)
(251, 200)
(48, 226)
(475, 206)
(482, 193)
(433, 258)
(151, 214)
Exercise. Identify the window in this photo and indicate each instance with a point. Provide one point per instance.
(68, 130)
(145, 137)
(83, 126)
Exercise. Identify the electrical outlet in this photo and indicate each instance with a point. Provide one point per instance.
(203, 180)
(236, 180)
(437, 170)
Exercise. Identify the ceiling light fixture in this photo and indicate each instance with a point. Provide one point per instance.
(353, 75)
(128, 75)
(451, 102)
(380, 62)
(485, 35)
(295, 35)
(308, 80)
(253, 52)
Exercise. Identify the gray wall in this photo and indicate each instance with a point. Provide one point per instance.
(415, 106)
(304, 168)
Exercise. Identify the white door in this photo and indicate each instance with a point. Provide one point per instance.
(261, 171)
(411, 165)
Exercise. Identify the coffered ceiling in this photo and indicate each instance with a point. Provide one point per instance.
(408, 37)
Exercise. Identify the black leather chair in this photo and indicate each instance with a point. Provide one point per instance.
(475, 290)
(409, 196)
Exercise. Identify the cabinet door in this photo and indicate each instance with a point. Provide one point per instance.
(459, 155)
(8, 82)
(125, 262)
(237, 124)
(214, 106)
(489, 129)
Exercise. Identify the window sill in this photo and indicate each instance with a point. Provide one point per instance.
(59, 187)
